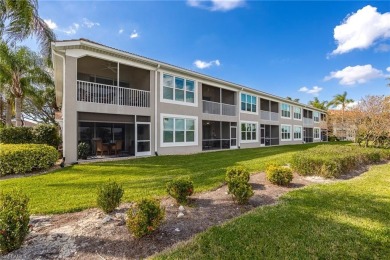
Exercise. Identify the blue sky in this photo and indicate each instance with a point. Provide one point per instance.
(297, 49)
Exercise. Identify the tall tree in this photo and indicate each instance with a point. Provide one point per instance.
(21, 69)
(295, 99)
(19, 19)
(343, 101)
(324, 105)
(41, 106)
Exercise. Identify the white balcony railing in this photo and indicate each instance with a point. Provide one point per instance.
(210, 107)
(270, 116)
(307, 121)
(108, 94)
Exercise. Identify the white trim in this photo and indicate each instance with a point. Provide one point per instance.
(162, 144)
(281, 111)
(136, 139)
(183, 103)
(297, 139)
(281, 136)
(257, 104)
(294, 112)
(257, 132)
(319, 129)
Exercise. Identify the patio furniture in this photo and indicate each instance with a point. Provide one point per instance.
(100, 147)
(117, 146)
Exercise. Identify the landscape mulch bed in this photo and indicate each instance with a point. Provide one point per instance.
(91, 234)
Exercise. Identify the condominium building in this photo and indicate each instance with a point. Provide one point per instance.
(142, 106)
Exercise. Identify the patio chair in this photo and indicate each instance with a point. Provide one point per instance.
(100, 147)
(117, 146)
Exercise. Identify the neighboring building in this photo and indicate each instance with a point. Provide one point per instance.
(156, 108)
(343, 131)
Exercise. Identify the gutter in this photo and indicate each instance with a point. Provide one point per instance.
(155, 109)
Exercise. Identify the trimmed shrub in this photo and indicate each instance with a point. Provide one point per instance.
(14, 220)
(46, 134)
(109, 196)
(334, 160)
(144, 217)
(23, 158)
(279, 175)
(237, 179)
(16, 135)
(83, 150)
(180, 189)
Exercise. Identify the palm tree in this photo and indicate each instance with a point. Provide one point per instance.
(324, 105)
(20, 70)
(343, 101)
(295, 99)
(19, 20)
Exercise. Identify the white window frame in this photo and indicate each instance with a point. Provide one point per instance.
(318, 116)
(184, 103)
(281, 133)
(314, 133)
(257, 132)
(281, 110)
(257, 104)
(298, 119)
(173, 144)
(295, 127)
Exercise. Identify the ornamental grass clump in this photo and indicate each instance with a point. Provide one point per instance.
(180, 189)
(279, 175)
(109, 196)
(144, 217)
(237, 179)
(14, 220)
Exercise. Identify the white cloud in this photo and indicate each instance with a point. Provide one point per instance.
(204, 64)
(216, 5)
(388, 69)
(361, 29)
(349, 105)
(52, 25)
(121, 31)
(314, 91)
(382, 48)
(71, 29)
(355, 75)
(89, 24)
(134, 35)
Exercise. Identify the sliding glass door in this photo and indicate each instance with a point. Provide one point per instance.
(143, 139)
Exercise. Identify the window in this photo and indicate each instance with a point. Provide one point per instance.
(316, 116)
(297, 113)
(286, 110)
(178, 89)
(297, 132)
(248, 132)
(248, 103)
(286, 132)
(316, 133)
(178, 130)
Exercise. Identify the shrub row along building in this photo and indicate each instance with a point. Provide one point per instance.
(140, 106)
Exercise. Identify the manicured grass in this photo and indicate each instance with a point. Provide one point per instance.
(344, 220)
(74, 188)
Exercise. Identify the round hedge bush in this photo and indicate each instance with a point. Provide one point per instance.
(144, 217)
(23, 158)
(180, 189)
(279, 175)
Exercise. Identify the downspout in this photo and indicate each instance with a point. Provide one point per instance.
(63, 102)
(155, 109)
(239, 119)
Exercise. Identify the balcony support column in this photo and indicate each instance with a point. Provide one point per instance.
(117, 84)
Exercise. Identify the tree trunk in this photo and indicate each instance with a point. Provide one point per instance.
(18, 111)
(8, 115)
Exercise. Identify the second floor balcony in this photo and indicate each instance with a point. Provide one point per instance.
(218, 101)
(113, 95)
(106, 82)
(269, 110)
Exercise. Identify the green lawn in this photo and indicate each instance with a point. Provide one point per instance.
(344, 220)
(74, 188)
